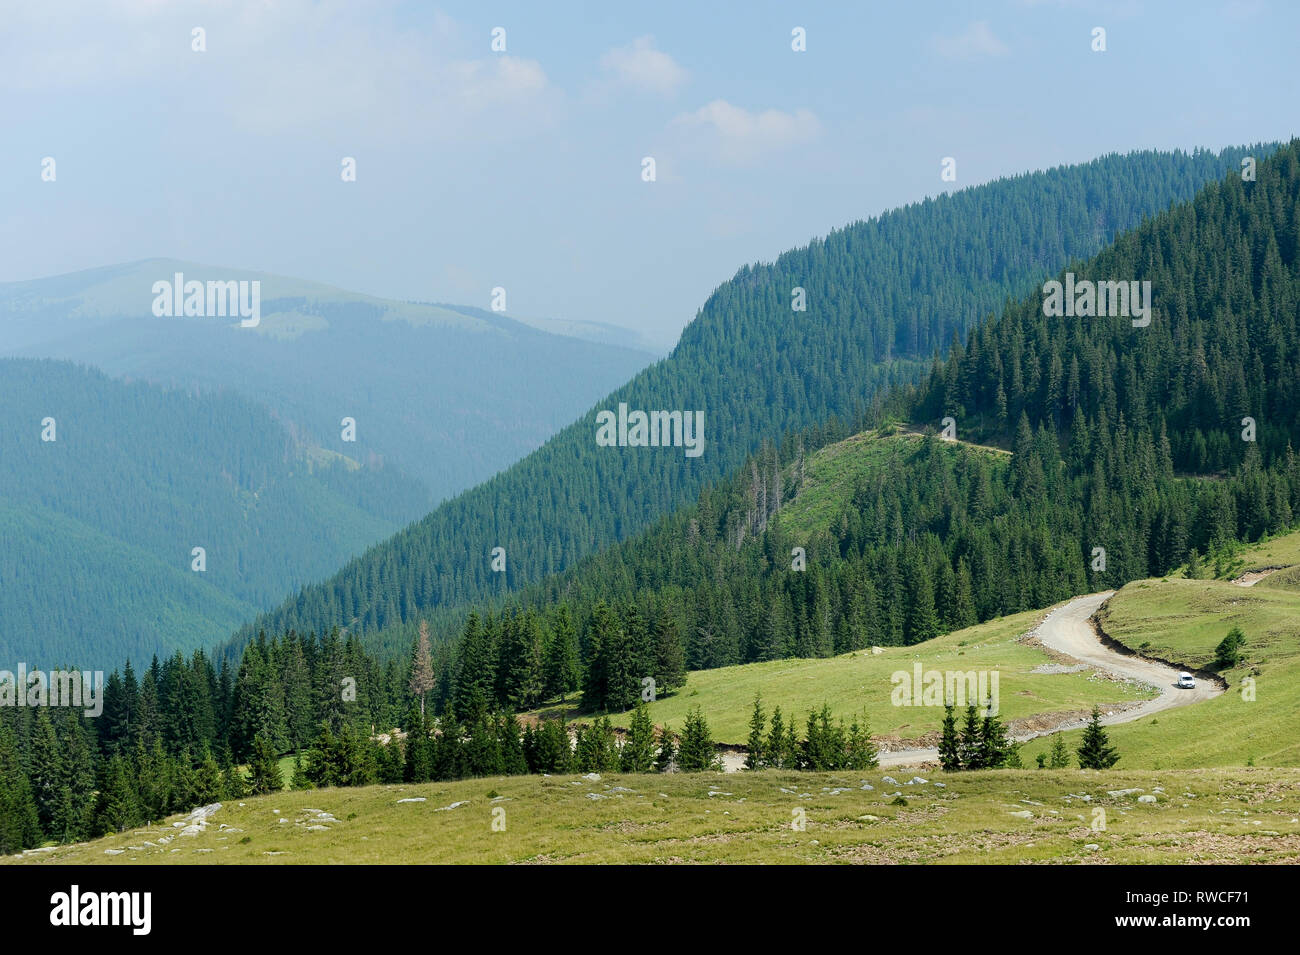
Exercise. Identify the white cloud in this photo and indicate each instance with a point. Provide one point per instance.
(294, 67)
(642, 67)
(977, 40)
(740, 136)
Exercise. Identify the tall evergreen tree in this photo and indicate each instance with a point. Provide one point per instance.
(1095, 751)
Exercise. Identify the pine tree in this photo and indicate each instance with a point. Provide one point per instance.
(969, 744)
(1228, 653)
(560, 670)
(74, 816)
(418, 757)
(46, 767)
(119, 809)
(302, 779)
(1059, 758)
(1095, 751)
(20, 826)
(775, 748)
(552, 752)
(264, 768)
(995, 748)
(860, 750)
(670, 658)
(757, 723)
(667, 750)
(950, 748)
(596, 751)
(513, 762)
(422, 680)
(601, 641)
(639, 749)
(207, 779)
(697, 752)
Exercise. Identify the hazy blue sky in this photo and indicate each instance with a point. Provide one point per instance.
(477, 169)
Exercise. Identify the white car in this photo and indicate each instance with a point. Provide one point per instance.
(1186, 682)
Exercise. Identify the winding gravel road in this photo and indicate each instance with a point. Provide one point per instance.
(1068, 630)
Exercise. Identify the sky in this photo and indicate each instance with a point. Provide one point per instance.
(523, 168)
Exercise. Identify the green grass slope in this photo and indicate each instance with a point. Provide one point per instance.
(1182, 621)
(861, 681)
(1000, 817)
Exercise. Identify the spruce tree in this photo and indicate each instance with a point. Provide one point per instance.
(969, 744)
(697, 752)
(119, 808)
(860, 752)
(667, 750)
(1059, 757)
(264, 768)
(995, 748)
(775, 747)
(639, 749)
(755, 759)
(20, 826)
(950, 748)
(1095, 751)
(670, 658)
(560, 670)
(1228, 653)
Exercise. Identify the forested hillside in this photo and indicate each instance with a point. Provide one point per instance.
(99, 524)
(1128, 459)
(903, 535)
(882, 297)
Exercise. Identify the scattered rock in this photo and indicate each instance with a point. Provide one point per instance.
(1023, 814)
(592, 777)
(455, 805)
(203, 812)
(113, 852)
(1092, 847)
(1146, 798)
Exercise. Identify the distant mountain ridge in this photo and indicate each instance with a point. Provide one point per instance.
(448, 394)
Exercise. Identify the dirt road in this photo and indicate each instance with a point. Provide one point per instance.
(1068, 629)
